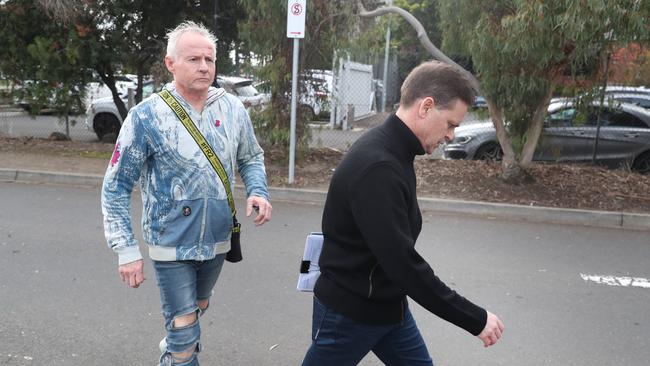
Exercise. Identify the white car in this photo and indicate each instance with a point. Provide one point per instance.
(97, 89)
(315, 93)
(316, 99)
(102, 115)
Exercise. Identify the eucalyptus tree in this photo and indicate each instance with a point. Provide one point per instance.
(522, 49)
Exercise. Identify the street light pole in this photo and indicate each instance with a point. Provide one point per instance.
(386, 52)
(214, 17)
(215, 13)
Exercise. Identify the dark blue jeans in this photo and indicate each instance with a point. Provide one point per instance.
(338, 340)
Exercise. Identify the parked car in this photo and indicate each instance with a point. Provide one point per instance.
(627, 89)
(479, 102)
(102, 115)
(243, 88)
(616, 92)
(97, 89)
(569, 135)
(641, 100)
(26, 94)
(316, 94)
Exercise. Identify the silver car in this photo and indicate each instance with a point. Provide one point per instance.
(243, 89)
(569, 135)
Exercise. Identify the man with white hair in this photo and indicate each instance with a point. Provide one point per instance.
(184, 145)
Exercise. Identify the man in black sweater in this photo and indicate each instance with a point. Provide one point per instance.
(370, 223)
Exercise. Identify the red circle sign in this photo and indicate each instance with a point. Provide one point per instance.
(296, 9)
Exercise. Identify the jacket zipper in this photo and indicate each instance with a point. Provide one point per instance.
(205, 214)
(372, 271)
(204, 219)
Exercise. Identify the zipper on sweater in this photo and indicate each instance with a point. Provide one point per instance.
(205, 212)
(372, 271)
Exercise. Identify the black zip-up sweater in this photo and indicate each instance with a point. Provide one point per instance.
(371, 221)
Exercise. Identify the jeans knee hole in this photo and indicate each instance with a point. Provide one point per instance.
(187, 355)
(192, 315)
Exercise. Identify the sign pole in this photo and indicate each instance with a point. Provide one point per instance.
(296, 10)
(294, 102)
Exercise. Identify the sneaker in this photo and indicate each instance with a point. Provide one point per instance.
(165, 360)
(162, 346)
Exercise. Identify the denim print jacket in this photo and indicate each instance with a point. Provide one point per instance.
(185, 208)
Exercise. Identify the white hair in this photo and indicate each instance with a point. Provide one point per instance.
(188, 26)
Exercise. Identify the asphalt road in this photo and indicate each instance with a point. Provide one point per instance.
(61, 302)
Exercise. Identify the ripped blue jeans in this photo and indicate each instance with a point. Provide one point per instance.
(182, 285)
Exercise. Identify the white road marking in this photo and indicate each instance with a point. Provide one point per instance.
(617, 280)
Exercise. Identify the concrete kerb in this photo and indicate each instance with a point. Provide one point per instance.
(607, 219)
(32, 176)
(622, 220)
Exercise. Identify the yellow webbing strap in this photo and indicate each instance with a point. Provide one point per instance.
(203, 144)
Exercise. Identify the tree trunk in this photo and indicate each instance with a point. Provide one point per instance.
(138, 88)
(109, 80)
(496, 115)
(511, 172)
(535, 130)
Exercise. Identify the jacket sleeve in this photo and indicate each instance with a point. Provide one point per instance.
(379, 202)
(250, 157)
(131, 150)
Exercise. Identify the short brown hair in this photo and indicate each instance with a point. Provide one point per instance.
(441, 81)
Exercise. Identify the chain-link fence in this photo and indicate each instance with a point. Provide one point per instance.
(356, 98)
(102, 123)
(16, 122)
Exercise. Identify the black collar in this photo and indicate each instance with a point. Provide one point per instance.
(402, 141)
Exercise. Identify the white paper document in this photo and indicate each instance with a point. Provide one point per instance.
(309, 269)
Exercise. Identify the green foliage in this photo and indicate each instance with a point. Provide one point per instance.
(328, 25)
(50, 69)
(106, 36)
(521, 49)
(270, 134)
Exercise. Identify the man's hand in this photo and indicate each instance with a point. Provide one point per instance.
(261, 206)
(492, 331)
(132, 273)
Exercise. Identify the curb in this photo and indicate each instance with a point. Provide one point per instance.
(604, 219)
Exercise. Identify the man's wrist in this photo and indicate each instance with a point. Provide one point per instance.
(128, 255)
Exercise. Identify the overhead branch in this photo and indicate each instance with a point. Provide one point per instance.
(62, 10)
(422, 36)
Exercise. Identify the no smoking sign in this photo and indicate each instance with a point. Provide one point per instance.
(296, 10)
